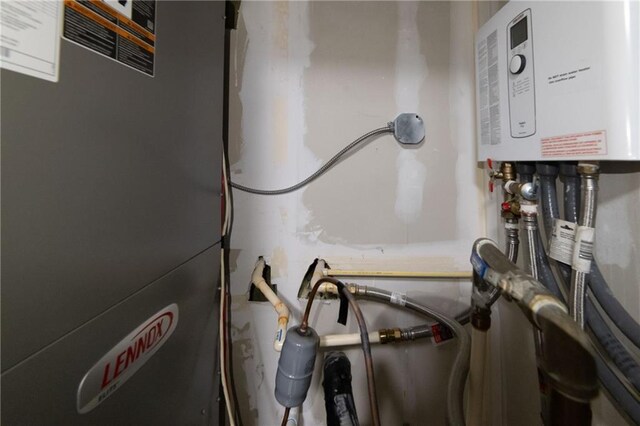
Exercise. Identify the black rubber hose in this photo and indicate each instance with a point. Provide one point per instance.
(338, 394)
(596, 282)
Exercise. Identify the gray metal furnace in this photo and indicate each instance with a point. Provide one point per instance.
(110, 213)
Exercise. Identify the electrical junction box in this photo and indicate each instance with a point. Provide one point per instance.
(559, 81)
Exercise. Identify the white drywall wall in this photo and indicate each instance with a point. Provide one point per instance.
(308, 78)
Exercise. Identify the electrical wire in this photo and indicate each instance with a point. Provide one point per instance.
(224, 317)
(320, 171)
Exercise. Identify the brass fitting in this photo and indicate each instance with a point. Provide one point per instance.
(389, 335)
(508, 171)
(588, 168)
(510, 209)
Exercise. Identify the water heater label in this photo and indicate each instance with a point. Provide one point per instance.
(121, 30)
(575, 144)
(125, 358)
(562, 241)
(30, 42)
(489, 90)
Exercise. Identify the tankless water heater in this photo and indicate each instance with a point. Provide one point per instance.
(559, 81)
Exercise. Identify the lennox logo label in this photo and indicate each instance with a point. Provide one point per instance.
(125, 358)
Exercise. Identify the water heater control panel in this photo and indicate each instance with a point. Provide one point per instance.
(522, 106)
(559, 81)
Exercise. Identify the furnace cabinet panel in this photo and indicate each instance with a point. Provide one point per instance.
(110, 182)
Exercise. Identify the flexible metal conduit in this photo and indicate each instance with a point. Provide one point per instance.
(321, 170)
(458, 376)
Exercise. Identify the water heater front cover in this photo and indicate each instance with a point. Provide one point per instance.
(559, 81)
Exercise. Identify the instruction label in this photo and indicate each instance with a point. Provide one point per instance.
(489, 90)
(576, 144)
(30, 37)
(122, 30)
(562, 241)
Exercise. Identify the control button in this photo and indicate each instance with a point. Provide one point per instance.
(516, 66)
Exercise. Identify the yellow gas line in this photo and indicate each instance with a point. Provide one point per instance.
(456, 275)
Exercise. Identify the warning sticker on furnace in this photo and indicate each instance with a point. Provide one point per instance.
(575, 145)
(122, 30)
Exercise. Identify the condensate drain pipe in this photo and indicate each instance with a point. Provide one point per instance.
(281, 309)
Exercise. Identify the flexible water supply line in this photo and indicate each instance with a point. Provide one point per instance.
(281, 309)
(583, 249)
(596, 282)
(331, 340)
(616, 370)
(460, 368)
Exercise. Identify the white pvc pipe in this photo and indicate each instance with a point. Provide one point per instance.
(294, 416)
(280, 307)
(331, 340)
(476, 377)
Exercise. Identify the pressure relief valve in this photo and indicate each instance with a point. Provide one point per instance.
(295, 365)
(408, 128)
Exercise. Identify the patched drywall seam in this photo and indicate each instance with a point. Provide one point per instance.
(411, 71)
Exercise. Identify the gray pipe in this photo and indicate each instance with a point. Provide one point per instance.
(460, 368)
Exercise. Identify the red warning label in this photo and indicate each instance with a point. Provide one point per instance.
(576, 144)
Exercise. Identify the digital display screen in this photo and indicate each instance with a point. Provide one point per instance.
(519, 32)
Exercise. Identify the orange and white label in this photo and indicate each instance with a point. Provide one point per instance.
(575, 144)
